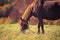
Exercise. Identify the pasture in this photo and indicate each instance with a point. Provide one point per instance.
(12, 32)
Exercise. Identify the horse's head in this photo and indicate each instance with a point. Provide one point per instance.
(24, 25)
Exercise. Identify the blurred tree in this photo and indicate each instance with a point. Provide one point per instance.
(3, 2)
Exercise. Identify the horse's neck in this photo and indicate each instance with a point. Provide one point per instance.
(31, 7)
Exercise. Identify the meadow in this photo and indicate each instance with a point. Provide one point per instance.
(12, 32)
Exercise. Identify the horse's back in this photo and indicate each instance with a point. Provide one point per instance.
(52, 12)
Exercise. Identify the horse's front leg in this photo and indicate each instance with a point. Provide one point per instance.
(42, 25)
(39, 27)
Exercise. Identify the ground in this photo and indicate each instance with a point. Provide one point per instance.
(12, 32)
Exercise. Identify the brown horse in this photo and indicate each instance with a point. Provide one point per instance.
(51, 11)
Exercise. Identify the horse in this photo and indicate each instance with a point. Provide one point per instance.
(51, 11)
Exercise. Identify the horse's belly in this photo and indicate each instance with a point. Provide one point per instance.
(52, 16)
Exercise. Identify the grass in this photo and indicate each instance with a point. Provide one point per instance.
(12, 32)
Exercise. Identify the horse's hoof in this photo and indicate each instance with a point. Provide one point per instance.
(43, 32)
(38, 32)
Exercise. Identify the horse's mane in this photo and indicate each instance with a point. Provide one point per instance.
(27, 12)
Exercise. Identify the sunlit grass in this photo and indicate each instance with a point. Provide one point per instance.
(12, 32)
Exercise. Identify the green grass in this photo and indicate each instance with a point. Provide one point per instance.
(12, 32)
